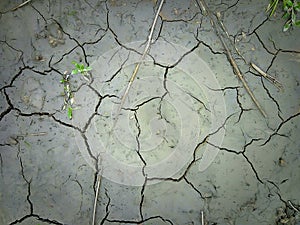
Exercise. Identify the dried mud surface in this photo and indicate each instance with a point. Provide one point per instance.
(189, 141)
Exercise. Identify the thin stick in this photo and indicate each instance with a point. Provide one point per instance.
(96, 198)
(255, 67)
(232, 61)
(21, 5)
(293, 207)
(37, 134)
(202, 217)
(228, 37)
(273, 80)
(240, 76)
(33, 134)
(133, 76)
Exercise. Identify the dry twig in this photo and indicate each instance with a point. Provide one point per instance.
(20, 5)
(273, 80)
(202, 217)
(133, 76)
(96, 197)
(293, 207)
(230, 57)
(255, 67)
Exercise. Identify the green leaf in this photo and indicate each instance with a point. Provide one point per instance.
(88, 68)
(273, 6)
(286, 26)
(297, 23)
(286, 15)
(81, 67)
(77, 65)
(74, 71)
(62, 81)
(289, 3)
(70, 112)
(28, 144)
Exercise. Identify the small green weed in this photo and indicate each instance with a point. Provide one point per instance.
(80, 68)
(68, 93)
(290, 8)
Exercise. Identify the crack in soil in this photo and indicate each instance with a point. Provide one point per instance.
(100, 34)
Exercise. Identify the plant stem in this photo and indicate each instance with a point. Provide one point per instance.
(20, 5)
(133, 76)
(234, 65)
(273, 80)
(96, 198)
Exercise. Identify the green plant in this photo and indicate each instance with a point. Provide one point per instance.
(80, 68)
(290, 8)
(68, 95)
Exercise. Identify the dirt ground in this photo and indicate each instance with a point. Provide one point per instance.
(208, 133)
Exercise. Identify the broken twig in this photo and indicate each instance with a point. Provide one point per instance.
(293, 207)
(133, 76)
(21, 5)
(273, 80)
(255, 67)
(96, 197)
(33, 134)
(231, 59)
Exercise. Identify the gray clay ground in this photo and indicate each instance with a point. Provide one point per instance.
(189, 141)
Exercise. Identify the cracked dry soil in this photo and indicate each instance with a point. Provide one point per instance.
(189, 146)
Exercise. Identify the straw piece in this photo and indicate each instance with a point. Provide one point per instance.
(96, 198)
(21, 5)
(273, 80)
(133, 76)
(231, 59)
